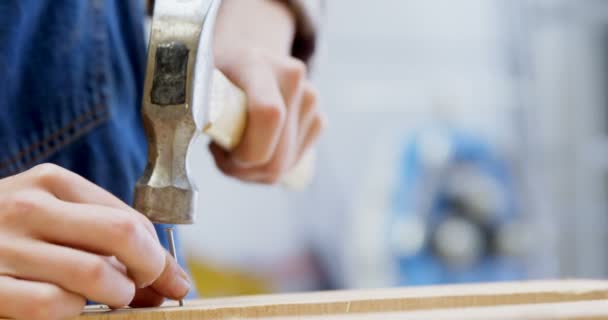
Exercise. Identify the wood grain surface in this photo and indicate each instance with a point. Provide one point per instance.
(582, 310)
(537, 297)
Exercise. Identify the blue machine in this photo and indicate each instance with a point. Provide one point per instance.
(455, 215)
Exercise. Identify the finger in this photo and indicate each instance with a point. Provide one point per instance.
(146, 298)
(102, 230)
(164, 286)
(173, 283)
(23, 299)
(308, 112)
(265, 117)
(318, 123)
(260, 174)
(270, 173)
(80, 272)
(291, 75)
(226, 165)
(284, 154)
(71, 187)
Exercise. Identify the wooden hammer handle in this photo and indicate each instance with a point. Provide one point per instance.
(227, 122)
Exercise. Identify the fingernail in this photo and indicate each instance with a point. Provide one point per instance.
(183, 274)
(146, 284)
(180, 285)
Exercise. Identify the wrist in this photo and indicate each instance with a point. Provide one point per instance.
(263, 24)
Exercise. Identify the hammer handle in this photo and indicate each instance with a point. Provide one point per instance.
(227, 112)
(227, 122)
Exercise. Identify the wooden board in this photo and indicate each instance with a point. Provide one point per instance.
(582, 310)
(366, 303)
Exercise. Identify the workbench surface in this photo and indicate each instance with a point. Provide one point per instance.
(566, 299)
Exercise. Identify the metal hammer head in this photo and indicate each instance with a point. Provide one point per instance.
(175, 102)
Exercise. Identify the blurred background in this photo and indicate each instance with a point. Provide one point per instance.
(467, 141)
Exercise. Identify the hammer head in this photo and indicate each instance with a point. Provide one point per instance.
(174, 108)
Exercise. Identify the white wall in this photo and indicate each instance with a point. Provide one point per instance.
(385, 66)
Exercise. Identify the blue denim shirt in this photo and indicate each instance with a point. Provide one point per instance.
(71, 77)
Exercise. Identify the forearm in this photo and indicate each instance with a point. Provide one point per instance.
(264, 24)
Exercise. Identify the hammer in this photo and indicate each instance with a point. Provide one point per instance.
(185, 96)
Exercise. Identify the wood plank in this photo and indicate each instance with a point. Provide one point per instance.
(581, 310)
(361, 302)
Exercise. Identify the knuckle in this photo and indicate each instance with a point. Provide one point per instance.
(310, 101)
(23, 204)
(47, 173)
(47, 302)
(126, 229)
(19, 205)
(93, 272)
(311, 96)
(295, 70)
(147, 224)
(271, 115)
(320, 122)
(309, 104)
(308, 108)
(12, 258)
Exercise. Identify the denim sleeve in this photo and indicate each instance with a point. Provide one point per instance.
(71, 76)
